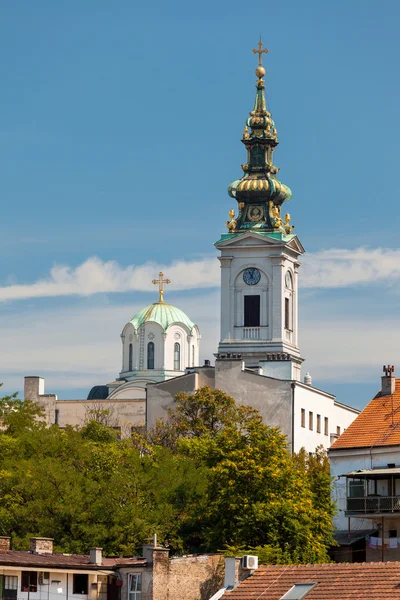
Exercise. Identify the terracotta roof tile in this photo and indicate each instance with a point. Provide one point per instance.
(59, 561)
(374, 426)
(356, 581)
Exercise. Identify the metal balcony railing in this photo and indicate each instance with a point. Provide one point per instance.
(373, 504)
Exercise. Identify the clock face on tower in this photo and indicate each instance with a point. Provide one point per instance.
(251, 276)
(288, 280)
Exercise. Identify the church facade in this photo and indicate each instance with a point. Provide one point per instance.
(258, 361)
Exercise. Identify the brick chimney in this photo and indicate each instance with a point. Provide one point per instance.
(4, 543)
(96, 556)
(388, 381)
(41, 545)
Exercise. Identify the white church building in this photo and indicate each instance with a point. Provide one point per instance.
(258, 361)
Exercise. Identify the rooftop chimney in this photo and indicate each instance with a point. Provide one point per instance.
(96, 556)
(4, 543)
(41, 545)
(232, 565)
(388, 381)
(207, 363)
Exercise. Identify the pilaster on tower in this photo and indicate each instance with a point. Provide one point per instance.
(259, 255)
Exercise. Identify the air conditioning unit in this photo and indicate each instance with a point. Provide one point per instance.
(44, 578)
(249, 562)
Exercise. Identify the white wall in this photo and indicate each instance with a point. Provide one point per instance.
(53, 591)
(273, 261)
(124, 414)
(319, 403)
(345, 461)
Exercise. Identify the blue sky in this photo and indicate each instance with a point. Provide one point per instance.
(120, 128)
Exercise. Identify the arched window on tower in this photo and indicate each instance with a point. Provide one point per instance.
(177, 357)
(130, 357)
(150, 355)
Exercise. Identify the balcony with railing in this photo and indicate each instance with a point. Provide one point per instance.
(251, 333)
(373, 504)
(373, 492)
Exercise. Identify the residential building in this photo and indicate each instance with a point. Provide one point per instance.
(41, 574)
(365, 465)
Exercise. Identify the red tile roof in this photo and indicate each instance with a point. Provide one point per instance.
(344, 581)
(60, 561)
(377, 425)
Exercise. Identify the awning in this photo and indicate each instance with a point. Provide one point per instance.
(342, 537)
(373, 473)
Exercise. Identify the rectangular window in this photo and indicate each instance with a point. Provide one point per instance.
(338, 430)
(28, 581)
(318, 423)
(310, 420)
(134, 586)
(299, 591)
(10, 582)
(80, 584)
(303, 417)
(326, 426)
(10, 590)
(287, 315)
(252, 311)
(356, 488)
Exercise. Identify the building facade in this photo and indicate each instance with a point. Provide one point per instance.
(41, 574)
(365, 465)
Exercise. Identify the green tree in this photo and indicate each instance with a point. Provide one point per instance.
(258, 494)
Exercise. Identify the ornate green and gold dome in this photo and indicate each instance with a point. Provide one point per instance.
(259, 193)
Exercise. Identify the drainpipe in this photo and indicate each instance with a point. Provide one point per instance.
(293, 386)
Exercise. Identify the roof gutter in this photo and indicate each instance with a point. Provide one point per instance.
(293, 386)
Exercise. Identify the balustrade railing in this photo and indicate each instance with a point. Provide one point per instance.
(251, 333)
(373, 504)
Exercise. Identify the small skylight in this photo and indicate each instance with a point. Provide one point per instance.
(299, 591)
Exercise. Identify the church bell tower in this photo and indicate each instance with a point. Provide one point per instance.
(259, 256)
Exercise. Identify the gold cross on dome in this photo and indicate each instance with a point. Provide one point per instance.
(260, 52)
(161, 282)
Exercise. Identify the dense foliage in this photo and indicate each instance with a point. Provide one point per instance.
(212, 477)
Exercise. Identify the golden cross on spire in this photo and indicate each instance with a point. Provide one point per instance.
(260, 52)
(161, 282)
(260, 71)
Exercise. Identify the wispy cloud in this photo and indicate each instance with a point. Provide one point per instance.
(338, 268)
(334, 268)
(95, 276)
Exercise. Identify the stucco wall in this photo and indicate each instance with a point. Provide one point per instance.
(124, 414)
(271, 397)
(161, 396)
(192, 577)
(314, 401)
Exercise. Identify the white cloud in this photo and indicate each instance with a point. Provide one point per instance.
(95, 276)
(338, 268)
(334, 268)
